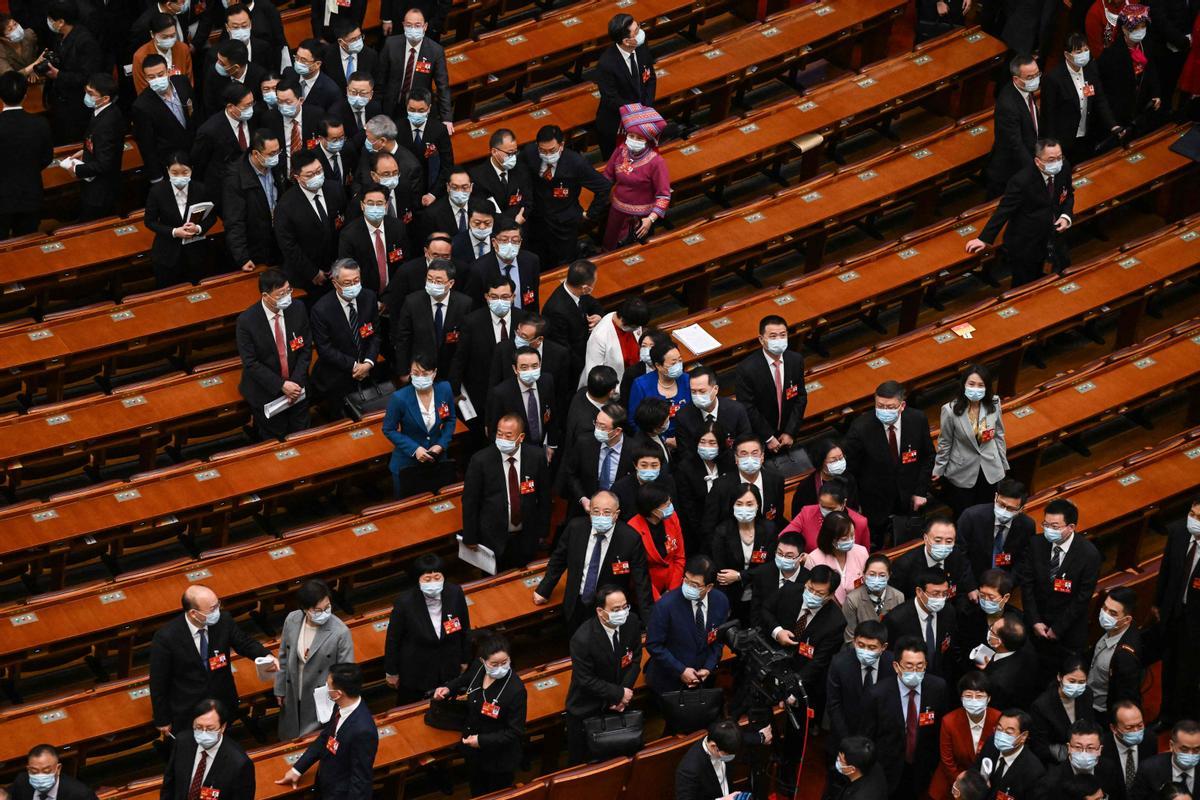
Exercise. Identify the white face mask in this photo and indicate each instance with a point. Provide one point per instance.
(635, 146)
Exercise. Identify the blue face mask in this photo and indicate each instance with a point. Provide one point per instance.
(160, 84)
(520, 341)
(1073, 689)
(1133, 738)
(390, 181)
(354, 47)
(165, 45)
(530, 376)
(707, 453)
(601, 524)
(974, 705)
(269, 99)
(647, 475)
(315, 182)
(418, 118)
(180, 181)
(335, 145)
(749, 464)
(1084, 761)
(288, 110)
(813, 601)
(460, 198)
(675, 370)
(435, 290)
(301, 68)
(935, 604)
(375, 213)
(875, 583)
(1004, 741)
(974, 393)
(745, 513)
(644, 355)
(350, 292)
(701, 400)
(224, 73)
(320, 617)
(505, 446)
(271, 161)
(1187, 760)
(785, 564)
(432, 588)
(88, 100)
(240, 35)
(667, 510)
(1052, 536)
(508, 251)
(423, 382)
(500, 307)
(940, 552)
(868, 658)
(844, 545)
(777, 347)
(690, 592)
(912, 679)
(601, 436)
(357, 102)
(42, 782)
(246, 114)
(990, 607)
(887, 415)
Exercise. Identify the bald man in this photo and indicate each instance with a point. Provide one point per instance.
(190, 658)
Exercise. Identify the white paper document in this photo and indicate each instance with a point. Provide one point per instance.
(482, 557)
(323, 703)
(279, 404)
(466, 409)
(696, 339)
(263, 666)
(981, 653)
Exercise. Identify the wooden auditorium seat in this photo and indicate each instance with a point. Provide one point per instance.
(652, 774)
(605, 779)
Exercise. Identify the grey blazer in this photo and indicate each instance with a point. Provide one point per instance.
(858, 607)
(960, 456)
(331, 645)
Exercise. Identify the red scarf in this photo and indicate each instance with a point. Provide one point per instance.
(1139, 59)
(630, 352)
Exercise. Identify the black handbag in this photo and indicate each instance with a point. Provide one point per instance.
(790, 463)
(614, 735)
(368, 397)
(689, 710)
(447, 715)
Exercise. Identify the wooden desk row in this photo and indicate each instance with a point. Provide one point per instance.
(706, 74)
(55, 177)
(902, 270)
(802, 216)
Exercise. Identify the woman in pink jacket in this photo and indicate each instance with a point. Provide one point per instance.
(837, 549)
(641, 186)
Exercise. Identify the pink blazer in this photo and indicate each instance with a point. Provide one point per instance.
(856, 560)
(808, 524)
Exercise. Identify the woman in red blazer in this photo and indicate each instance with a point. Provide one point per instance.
(958, 751)
(662, 537)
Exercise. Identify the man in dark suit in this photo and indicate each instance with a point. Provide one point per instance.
(770, 384)
(377, 242)
(1085, 757)
(530, 331)
(346, 744)
(1057, 585)
(275, 347)
(732, 421)
(593, 465)
(1127, 744)
(996, 535)
(223, 766)
(239, 26)
(1074, 106)
(29, 150)
(163, 121)
(190, 660)
(624, 75)
(344, 328)
(703, 772)
(506, 496)
(606, 659)
(391, 166)
(902, 714)
(337, 162)
(265, 23)
(483, 330)
(1038, 204)
(939, 552)
(348, 54)
(409, 276)
(358, 106)
(929, 616)
(1017, 124)
(318, 89)
(571, 312)
(1116, 669)
(79, 57)
(804, 620)
(1177, 606)
(748, 455)
(414, 61)
(326, 16)
(43, 777)
(297, 127)
(307, 221)
(231, 65)
(424, 135)
(417, 657)
(507, 259)
(585, 405)
(450, 213)
(224, 137)
(503, 179)
(248, 203)
(1012, 672)
(98, 167)
(593, 551)
(852, 673)
(430, 321)
(180, 13)
(1177, 766)
(890, 454)
(858, 767)
(530, 394)
(558, 176)
(775, 574)
(1011, 767)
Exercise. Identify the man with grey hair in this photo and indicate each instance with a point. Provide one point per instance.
(345, 332)
(381, 133)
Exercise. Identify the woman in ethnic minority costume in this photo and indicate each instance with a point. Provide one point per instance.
(641, 186)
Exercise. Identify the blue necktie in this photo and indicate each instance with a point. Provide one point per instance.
(606, 469)
(349, 66)
(533, 418)
(479, 249)
(929, 637)
(204, 647)
(417, 141)
(593, 570)
(438, 321)
(700, 619)
(462, 220)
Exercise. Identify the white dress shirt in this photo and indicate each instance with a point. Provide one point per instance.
(605, 541)
(344, 714)
(1079, 81)
(976, 729)
(212, 754)
(718, 768)
(195, 636)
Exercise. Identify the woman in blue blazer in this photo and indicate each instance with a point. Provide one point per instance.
(420, 422)
(666, 379)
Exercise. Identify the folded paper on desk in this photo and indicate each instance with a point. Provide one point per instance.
(279, 404)
(482, 556)
(696, 339)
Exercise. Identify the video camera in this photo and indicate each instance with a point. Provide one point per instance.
(769, 670)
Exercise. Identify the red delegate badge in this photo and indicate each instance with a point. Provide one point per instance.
(296, 343)
(805, 649)
(987, 435)
(908, 456)
(627, 659)
(791, 392)
(209, 793)
(1002, 560)
(451, 625)
(1062, 585)
(712, 635)
(490, 709)
(527, 298)
(365, 330)
(452, 337)
(759, 556)
(423, 66)
(926, 717)
(620, 568)
(528, 486)
(218, 661)
(560, 192)
(331, 744)
(444, 411)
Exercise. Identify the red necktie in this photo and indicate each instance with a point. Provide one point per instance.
(380, 259)
(801, 624)
(549, 173)
(892, 443)
(408, 72)
(910, 728)
(297, 138)
(503, 331)
(198, 778)
(1032, 112)
(242, 143)
(777, 364)
(280, 347)
(514, 494)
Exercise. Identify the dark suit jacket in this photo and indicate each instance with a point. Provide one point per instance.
(1014, 679)
(436, 153)
(508, 397)
(724, 545)
(215, 148)
(180, 678)
(977, 538)
(476, 346)
(566, 324)
(214, 85)
(347, 773)
(1050, 723)
(429, 73)
(162, 217)
(885, 487)
(872, 785)
(1020, 780)
(823, 634)
(310, 131)
(349, 117)
(624, 549)
(410, 188)
(1030, 211)
(907, 567)
(675, 643)
(263, 54)
(755, 387)
(1060, 104)
(103, 147)
(346, 162)
(440, 217)
(334, 341)
(485, 499)
(618, 87)
(1112, 754)
(365, 60)
(157, 130)
(1174, 577)
(357, 240)
(732, 423)
(720, 497)
(68, 788)
(502, 738)
(528, 267)
(555, 361)
(883, 723)
(231, 773)
(1012, 146)
(557, 200)
(520, 187)
(307, 245)
(903, 620)
(324, 93)
(413, 331)
(1128, 95)
(844, 691)
(1109, 775)
(422, 658)
(600, 675)
(28, 150)
(265, 23)
(1153, 774)
(261, 378)
(1065, 610)
(626, 489)
(79, 58)
(406, 278)
(694, 777)
(581, 470)
(249, 233)
(355, 10)
(689, 474)
(765, 585)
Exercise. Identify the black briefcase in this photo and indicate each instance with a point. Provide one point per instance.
(368, 397)
(614, 735)
(447, 715)
(690, 710)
